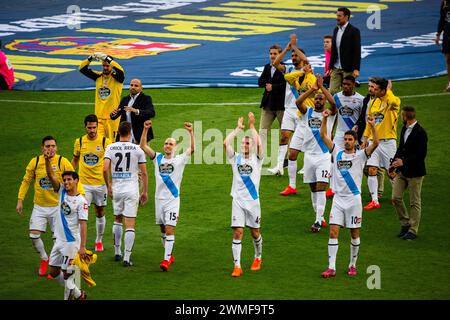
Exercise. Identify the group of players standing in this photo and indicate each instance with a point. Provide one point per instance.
(119, 169)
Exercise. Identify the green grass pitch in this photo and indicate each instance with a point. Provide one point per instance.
(293, 257)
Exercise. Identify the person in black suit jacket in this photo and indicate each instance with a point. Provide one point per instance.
(272, 102)
(135, 108)
(345, 52)
(408, 171)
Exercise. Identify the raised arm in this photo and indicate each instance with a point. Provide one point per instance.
(277, 63)
(333, 108)
(324, 132)
(190, 128)
(371, 124)
(227, 142)
(51, 175)
(255, 135)
(144, 179)
(143, 144)
(296, 49)
(303, 96)
(85, 70)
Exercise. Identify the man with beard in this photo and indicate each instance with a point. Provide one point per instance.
(317, 158)
(135, 108)
(290, 117)
(347, 172)
(108, 89)
(88, 152)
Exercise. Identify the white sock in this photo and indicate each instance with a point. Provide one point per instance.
(129, 242)
(333, 247)
(314, 201)
(38, 244)
(282, 149)
(163, 239)
(100, 224)
(321, 201)
(372, 182)
(236, 248)
(117, 232)
(354, 250)
(292, 171)
(257, 244)
(70, 286)
(168, 247)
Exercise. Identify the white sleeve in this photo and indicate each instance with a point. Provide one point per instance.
(185, 158)
(233, 158)
(83, 210)
(141, 156)
(107, 153)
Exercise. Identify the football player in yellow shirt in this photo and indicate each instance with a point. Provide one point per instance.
(45, 199)
(108, 90)
(385, 109)
(88, 153)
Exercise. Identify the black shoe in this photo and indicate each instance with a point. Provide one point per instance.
(285, 163)
(409, 236)
(403, 231)
(118, 257)
(127, 263)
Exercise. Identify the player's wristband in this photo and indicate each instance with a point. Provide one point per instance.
(109, 59)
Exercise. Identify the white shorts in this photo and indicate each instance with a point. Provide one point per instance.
(383, 154)
(246, 213)
(97, 195)
(346, 211)
(298, 138)
(126, 204)
(290, 120)
(63, 253)
(41, 216)
(317, 167)
(167, 211)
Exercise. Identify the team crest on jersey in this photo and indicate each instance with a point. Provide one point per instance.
(344, 164)
(165, 169)
(314, 123)
(104, 92)
(45, 183)
(65, 208)
(378, 116)
(245, 169)
(97, 148)
(346, 111)
(91, 159)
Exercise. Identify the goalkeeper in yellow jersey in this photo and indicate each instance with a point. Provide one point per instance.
(108, 91)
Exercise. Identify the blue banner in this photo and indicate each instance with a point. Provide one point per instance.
(200, 43)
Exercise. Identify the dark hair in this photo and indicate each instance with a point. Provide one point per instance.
(124, 128)
(277, 47)
(328, 37)
(73, 174)
(90, 118)
(351, 78)
(47, 138)
(351, 133)
(409, 112)
(346, 11)
(381, 82)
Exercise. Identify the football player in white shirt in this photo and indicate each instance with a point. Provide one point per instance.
(246, 209)
(168, 175)
(70, 231)
(317, 158)
(290, 117)
(347, 173)
(125, 160)
(349, 104)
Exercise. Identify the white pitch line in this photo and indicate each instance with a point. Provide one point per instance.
(199, 103)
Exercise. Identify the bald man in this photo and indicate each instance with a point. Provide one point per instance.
(135, 108)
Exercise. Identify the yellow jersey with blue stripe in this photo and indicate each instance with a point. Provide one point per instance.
(385, 111)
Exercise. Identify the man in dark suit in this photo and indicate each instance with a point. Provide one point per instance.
(272, 103)
(135, 108)
(408, 170)
(345, 52)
